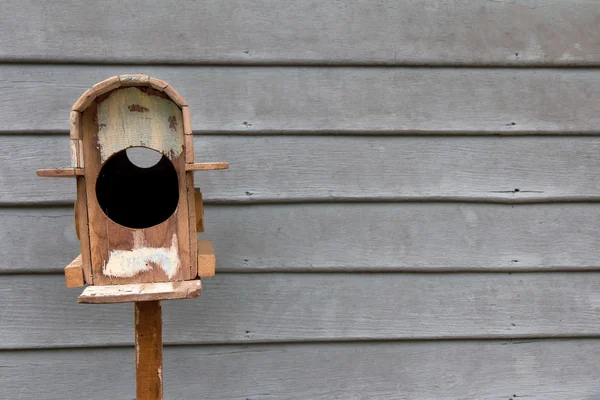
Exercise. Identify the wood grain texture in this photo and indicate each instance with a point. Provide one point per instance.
(204, 166)
(348, 237)
(248, 308)
(550, 32)
(60, 172)
(301, 168)
(74, 273)
(120, 254)
(148, 351)
(453, 370)
(206, 259)
(82, 230)
(330, 100)
(140, 292)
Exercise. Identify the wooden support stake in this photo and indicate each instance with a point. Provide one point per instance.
(148, 350)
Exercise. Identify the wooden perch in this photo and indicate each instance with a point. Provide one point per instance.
(60, 172)
(141, 292)
(206, 166)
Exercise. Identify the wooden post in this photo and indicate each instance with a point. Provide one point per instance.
(148, 350)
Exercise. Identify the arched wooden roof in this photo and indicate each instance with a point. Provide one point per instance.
(127, 80)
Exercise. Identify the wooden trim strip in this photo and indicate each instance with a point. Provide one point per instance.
(176, 97)
(84, 101)
(187, 120)
(60, 172)
(207, 166)
(134, 80)
(107, 85)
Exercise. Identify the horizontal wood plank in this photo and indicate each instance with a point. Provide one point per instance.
(348, 237)
(328, 100)
(424, 32)
(349, 168)
(246, 308)
(455, 370)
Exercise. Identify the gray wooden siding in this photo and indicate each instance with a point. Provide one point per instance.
(410, 213)
(394, 32)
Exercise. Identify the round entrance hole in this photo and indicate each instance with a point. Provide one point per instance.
(138, 188)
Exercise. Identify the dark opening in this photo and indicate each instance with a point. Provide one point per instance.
(138, 188)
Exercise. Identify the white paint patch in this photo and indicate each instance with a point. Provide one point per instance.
(128, 263)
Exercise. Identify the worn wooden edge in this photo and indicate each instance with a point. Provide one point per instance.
(83, 230)
(84, 101)
(176, 97)
(74, 273)
(134, 80)
(206, 259)
(106, 85)
(189, 149)
(192, 218)
(207, 166)
(76, 217)
(187, 120)
(199, 206)
(157, 84)
(75, 125)
(141, 292)
(60, 172)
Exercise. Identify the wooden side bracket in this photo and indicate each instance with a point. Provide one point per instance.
(74, 273)
(60, 172)
(206, 259)
(206, 166)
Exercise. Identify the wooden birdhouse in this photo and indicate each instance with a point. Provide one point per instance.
(137, 212)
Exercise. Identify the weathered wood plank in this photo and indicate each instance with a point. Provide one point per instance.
(453, 370)
(329, 100)
(141, 292)
(348, 237)
(327, 168)
(245, 308)
(540, 32)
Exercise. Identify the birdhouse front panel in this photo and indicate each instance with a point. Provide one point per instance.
(133, 155)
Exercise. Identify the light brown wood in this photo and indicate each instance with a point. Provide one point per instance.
(82, 227)
(187, 120)
(157, 83)
(206, 259)
(207, 166)
(75, 124)
(84, 101)
(189, 148)
(74, 273)
(106, 85)
(176, 97)
(148, 350)
(60, 172)
(192, 218)
(136, 292)
(134, 80)
(199, 210)
(161, 252)
(76, 218)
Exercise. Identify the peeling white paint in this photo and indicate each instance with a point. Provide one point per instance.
(131, 117)
(128, 263)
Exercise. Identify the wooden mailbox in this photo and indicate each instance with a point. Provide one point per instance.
(137, 212)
